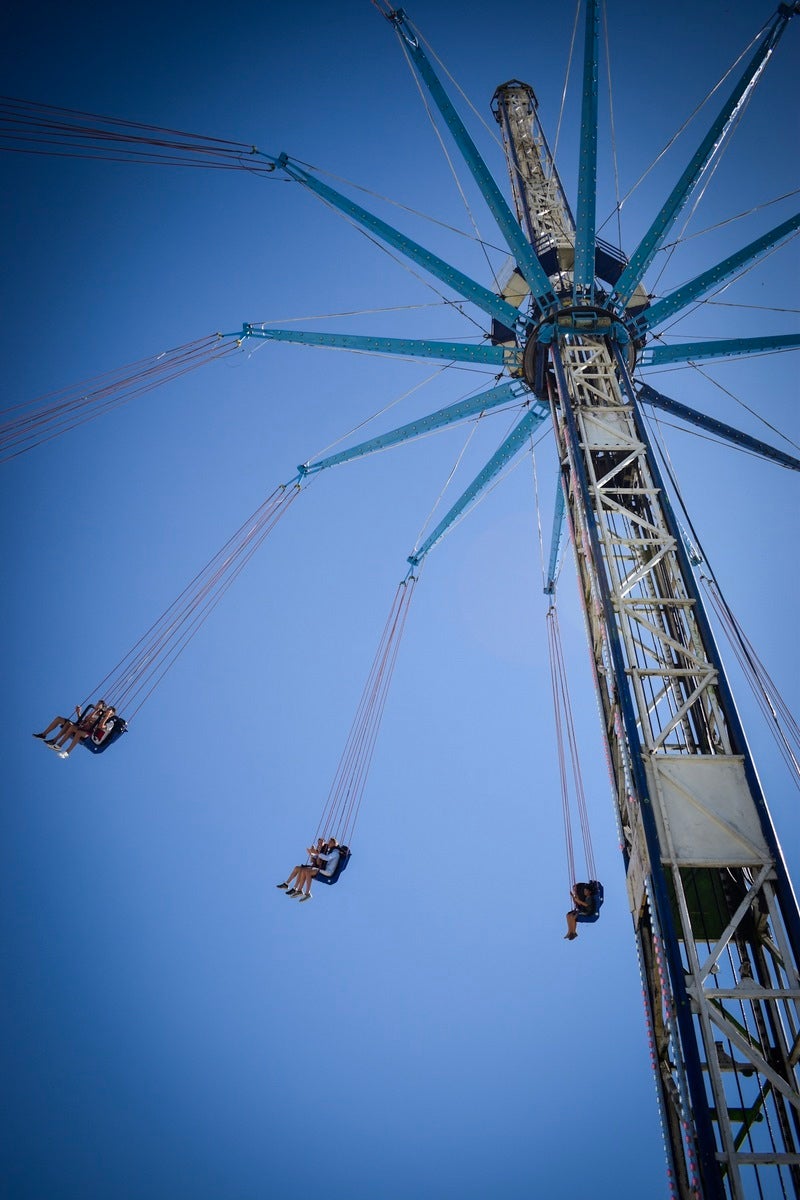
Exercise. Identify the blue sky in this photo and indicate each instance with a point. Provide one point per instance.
(173, 1026)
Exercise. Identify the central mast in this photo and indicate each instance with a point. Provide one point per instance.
(713, 910)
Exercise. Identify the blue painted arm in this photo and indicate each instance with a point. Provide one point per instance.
(583, 281)
(509, 448)
(518, 244)
(653, 356)
(683, 296)
(657, 400)
(645, 252)
(493, 356)
(453, 413)
(466, 287)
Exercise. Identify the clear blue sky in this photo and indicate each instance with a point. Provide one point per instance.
(172, 1026)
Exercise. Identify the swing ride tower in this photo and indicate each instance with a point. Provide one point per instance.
(715, 917)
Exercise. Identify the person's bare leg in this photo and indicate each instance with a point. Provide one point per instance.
(56, 723)
(572, 926)
(78, 736)
(68, 731)
(288, 883)
(309, 873)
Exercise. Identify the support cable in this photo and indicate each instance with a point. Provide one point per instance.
(353, 312)
(709, 173)
(459, 186)
(485, 492)
(614, 158)
(27, 127)
(573, 39)
(564, 722)
(34, 422)
(415, 212)
(567, 744)
(474, 423)
(780, 720)
(475, 111)
(753, 412)
(347, 790)
(688, 237)
(401, 262)
(137, 675)
(683, 127)
(386, 408)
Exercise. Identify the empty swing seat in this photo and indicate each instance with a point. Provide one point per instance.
(104, 740)
(344, 859)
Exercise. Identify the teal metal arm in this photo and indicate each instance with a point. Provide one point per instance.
(583, 281)
(466, 287)
(493, 356)
(645, 252)
(556, 540)
(691, 291)
(763, 449)
(503, 455)
(654, 356)
(503, 394)
(518, 244)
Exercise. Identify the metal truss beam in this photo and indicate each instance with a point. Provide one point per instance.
(556, 540)
(656, 356)
(482, 297)
(527, 261)
(490, 356)
(542, 206)
(505, 393)
(710, 145)
(583, 279)
(683, 296)
(650, 396)
(502, 456)
(716, 919)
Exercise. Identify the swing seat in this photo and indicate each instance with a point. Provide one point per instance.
(597, 903)
(344, 859)
(98, 745)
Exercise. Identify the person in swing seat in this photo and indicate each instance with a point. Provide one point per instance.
(83, 721)
(98, 729)
(324, 861)
(96, 721)
(587, 898)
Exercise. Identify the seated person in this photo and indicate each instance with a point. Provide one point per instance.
(98, 725)
(83, 720)
(299, 871)
(97, 720)
(324, 861)
(588, 898)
